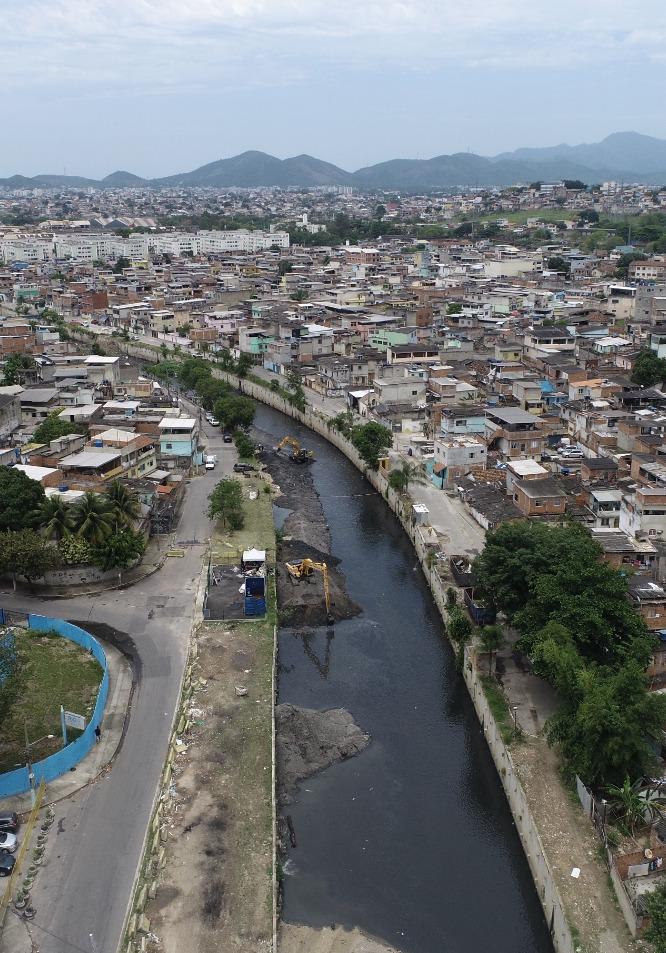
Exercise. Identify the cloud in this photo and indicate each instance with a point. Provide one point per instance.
(147, 45)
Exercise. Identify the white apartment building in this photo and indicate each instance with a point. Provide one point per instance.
(139, 246)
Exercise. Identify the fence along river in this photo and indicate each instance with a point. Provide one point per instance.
(412, 841)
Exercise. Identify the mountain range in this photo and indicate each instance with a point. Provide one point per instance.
(622, 156)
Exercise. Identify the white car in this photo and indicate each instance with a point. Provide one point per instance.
(8, 842)
(213, 422)
(209, 463)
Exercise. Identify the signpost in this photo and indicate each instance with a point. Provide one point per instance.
(73, 720)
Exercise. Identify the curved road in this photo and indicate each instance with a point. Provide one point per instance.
(84, 886)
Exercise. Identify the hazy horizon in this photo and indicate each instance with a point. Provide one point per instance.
(93, 86)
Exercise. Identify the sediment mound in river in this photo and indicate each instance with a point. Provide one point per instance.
(301, 601)
(295, 938)
(309, 741)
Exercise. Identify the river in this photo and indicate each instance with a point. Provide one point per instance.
(412, 840)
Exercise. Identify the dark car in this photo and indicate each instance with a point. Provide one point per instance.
(7, 862)
(227, 438)
(243, 468)
(9, 821)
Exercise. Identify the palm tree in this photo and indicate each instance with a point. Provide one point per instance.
(55, 517)
(123, 504)
(405, 474)
(92, 518)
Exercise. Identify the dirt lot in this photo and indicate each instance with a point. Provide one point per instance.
(569, 841)
(215, 890)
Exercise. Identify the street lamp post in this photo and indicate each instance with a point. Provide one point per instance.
(28, 760)
(514, 715)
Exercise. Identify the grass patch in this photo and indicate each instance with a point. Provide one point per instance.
(258, 530)
(52, 671)
(500, 709)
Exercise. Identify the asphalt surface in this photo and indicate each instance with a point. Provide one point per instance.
(83, 889)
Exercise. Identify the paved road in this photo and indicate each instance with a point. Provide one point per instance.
(95, 846)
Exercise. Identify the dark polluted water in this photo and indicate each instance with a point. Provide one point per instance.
(412, 840)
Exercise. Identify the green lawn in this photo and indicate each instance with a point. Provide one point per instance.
(258, 531)
(52, 672)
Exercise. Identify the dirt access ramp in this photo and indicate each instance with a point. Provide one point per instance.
(215, 890)
(569, 841)
(300, 939)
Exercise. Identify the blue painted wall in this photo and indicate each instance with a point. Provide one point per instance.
(17, 782)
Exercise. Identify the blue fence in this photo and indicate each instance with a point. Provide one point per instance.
(18, 782)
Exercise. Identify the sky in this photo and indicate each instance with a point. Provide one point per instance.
(163, 86)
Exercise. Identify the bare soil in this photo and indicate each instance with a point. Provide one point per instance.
(569, 841)
(215, 891)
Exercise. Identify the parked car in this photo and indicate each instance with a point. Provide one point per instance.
(210, 462)
(227, 438)
(214, 422)
(7, 862)
(243, 468)
(8, 841)
(9, 821)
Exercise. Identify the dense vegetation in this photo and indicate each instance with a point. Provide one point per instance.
(583, 636)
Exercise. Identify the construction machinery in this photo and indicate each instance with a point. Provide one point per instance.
(304, 569)
(298, 454)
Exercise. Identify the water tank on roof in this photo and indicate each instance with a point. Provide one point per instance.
(98, 443)
(63, 487)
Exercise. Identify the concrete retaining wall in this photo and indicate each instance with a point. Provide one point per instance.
(542, 875)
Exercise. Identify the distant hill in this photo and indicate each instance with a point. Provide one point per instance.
(626, 156)
(254, 169)
(123, 180)
(627, 152)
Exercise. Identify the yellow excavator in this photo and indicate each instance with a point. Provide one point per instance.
(298, 454)
(304, 569)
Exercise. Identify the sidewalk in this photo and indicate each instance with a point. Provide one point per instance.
(117, 706)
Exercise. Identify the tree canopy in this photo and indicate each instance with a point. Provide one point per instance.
(584, 637)
(234, 411)
(226, 504)
(20, 499)
(371, 440)
(53, 427)
(648, 369)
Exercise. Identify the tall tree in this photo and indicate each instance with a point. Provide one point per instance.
(226, 504)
